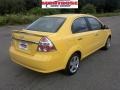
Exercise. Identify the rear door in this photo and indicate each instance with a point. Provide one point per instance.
(85, 38)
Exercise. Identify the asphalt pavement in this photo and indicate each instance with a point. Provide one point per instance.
(99, 71)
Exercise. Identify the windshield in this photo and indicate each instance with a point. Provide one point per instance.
(46, 24)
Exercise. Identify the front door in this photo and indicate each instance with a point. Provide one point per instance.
(85, 38)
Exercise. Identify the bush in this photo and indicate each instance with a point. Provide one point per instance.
(17, 19)
(67, 10)
(117, 11)
(3, 20)
(39, 11)
(88, 8)
(36, 11)
(21, 19)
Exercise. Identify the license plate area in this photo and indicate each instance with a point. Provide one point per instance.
(23, 45)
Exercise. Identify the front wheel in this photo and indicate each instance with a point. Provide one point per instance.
(108, 44)
(73, 64)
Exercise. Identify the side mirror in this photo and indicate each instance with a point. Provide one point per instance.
(105, 27)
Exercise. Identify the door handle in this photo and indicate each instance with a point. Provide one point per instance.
(80, 38)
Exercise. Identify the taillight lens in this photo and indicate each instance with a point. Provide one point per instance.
(45, 45)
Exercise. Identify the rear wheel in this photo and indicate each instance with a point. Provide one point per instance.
(73, 64)
(108, 44)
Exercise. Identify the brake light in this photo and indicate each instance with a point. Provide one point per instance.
(45, 45)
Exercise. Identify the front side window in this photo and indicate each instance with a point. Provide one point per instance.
(94, 23)
(79, 25)
(46, 24)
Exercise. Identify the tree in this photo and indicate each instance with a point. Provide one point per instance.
(88, 8)
(11, 6)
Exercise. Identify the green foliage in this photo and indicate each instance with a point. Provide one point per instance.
(26, 11)
(117, 10)
(17, 19)
(50, 11)
(3, 20)
(67, 10)
(88, 8)
(23, 6)
(102, 5)
(36, 11)
(26, 19)
(39, 11)
(29, 4)
(16, 6)
(11, 6)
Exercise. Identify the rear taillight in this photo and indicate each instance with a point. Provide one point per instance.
(45, 45)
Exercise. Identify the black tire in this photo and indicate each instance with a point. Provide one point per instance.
(107, 45)
(68, 70)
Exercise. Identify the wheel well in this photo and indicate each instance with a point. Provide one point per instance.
(109, 36)
(78, 52)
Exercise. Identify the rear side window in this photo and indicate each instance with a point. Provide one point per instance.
(79, 25)
(94, 23)
(46, 24)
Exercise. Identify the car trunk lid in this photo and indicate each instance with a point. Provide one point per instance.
(27, 41)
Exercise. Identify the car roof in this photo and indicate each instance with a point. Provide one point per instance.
(69, 15)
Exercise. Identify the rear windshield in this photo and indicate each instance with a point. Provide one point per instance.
(46, 24)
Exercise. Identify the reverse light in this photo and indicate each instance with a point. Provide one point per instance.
(45, 45)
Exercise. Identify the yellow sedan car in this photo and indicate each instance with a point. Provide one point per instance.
(59, 42)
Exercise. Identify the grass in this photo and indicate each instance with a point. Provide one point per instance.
(20, 19)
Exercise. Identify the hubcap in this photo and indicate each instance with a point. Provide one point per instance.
(74, 64)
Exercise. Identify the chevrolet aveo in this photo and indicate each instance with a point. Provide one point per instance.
(59, 42)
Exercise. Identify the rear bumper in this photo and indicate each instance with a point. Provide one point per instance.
(44, 63)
